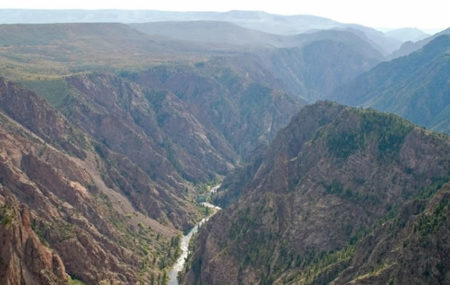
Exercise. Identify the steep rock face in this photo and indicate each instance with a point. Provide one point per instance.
(409, 245)
(23, 258)
(153, 128)
(68, 216)
(111, 212)
(137, 134)
(79, 206)
(415, 87)
(308, 66)
(99, 112)
(322, 62)
(326, 178)
(114, 127)
(240, 112)
(32, 112)
(412, 247)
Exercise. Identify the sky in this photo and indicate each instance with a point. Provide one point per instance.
(426, 15)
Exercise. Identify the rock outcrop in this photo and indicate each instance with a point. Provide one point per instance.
(108, 177)
(75, 207)
(415, 86)
(326, 180)
(23, 258)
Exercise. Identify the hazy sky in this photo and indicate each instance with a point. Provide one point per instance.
(429, 14)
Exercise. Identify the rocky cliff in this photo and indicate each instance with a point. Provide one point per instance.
(319, 188)
(415, 86)
(108, 176)
(78, 206)
(239, 112)
(413, 247)
(23, 258)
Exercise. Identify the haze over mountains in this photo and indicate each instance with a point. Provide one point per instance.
(407, 34)
(409, 46)
(415, 86)
(256, 20)
(285, 61)
(114, 124)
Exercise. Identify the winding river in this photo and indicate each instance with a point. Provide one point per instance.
(184, 244)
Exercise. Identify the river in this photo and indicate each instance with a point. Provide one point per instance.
(184, 244)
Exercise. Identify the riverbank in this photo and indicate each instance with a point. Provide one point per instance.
(184, 243)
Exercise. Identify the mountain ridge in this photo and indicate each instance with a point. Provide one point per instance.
(52, 51)
(74, 203)
(415, 86)
(111, 137)
(320, 185)
(409, 47)
(257, 20)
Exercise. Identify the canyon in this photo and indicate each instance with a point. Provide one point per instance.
(115, 137)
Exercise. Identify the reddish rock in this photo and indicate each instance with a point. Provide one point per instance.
(23, 258)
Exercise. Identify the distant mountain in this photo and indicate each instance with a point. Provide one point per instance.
(63, 49)
(288, 63)
(323, 61)
(384, 44)
(308, 65)
(341, 195)
(416, 86)
(229, 34)
(214, 32)
(271, 23)
(256, 20)
(407, 34)
(111, 134)
(409, 47)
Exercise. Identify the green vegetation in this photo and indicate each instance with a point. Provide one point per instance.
(322, 263)
(127, 74)
(171, 155)
(6, 215)
(336, 188)
(342, 145)
(389, 131)
(276, 234)
(435, 185)
(58, 231)
(151, 249)
(202, 190)
(57, 91)
(430, 222)
(415, 86)
(32, 52)
(74, 281)
(230, 79)
(156, 98)
(255, 96)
